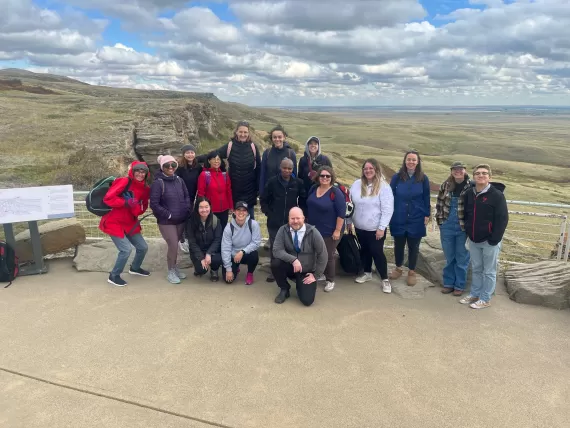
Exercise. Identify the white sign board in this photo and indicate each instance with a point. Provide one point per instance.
(36, 203)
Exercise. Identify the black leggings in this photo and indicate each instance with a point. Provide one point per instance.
(413, 250)
(214, 266)
(223, 218)
(372, 249)
(251, 260)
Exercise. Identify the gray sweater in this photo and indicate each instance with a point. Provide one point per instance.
(242, 239)
(313, 255)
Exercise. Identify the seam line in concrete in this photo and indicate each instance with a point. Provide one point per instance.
(110, 397)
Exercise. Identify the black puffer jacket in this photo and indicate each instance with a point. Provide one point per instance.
(204, 240)
(244, 169)
(190, 176)
(279, 197)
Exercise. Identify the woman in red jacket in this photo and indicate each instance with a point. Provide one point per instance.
(128, 197)
(215, 185)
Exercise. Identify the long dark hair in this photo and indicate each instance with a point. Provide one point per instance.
(195, 220)
(403, 173)
(212, 155)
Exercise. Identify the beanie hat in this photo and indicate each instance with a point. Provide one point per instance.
(188, 148)
(165, 159)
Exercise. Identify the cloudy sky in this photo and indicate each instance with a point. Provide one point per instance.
(295, 52)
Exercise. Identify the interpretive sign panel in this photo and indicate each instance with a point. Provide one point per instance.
(36, 203)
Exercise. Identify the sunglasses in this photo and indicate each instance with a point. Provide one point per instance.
(325, 176)
(169, 165)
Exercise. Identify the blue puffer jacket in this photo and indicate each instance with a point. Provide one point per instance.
(169, 199)
(411, 206)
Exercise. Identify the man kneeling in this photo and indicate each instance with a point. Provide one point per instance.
(299, 253)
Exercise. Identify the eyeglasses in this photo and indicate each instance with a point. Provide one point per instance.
(169, 165)
(481, 173)
(325, 176)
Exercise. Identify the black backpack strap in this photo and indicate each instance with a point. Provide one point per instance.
(249, 222)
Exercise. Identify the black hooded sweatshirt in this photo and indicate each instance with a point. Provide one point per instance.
(486, 214)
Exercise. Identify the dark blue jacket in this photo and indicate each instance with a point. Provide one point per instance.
(411, 206)
(271, 163)
(169, 198)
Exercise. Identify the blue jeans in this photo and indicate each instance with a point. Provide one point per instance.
(125, 248)
(484, 260)
(456, 255)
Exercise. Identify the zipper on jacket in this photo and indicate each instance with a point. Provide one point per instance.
(285, 206)
(474, 215)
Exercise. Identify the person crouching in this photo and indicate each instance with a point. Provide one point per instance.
(300, 253)
(240, 244)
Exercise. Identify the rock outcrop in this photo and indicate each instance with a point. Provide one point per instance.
(544, 283)
(165, 131)
(100, 256)
(56, 236)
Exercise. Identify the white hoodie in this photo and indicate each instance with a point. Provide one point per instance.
(372, 212)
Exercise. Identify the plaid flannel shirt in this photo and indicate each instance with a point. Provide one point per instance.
(444, 203)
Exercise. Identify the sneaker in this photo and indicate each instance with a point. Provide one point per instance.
(365, 277)
(322, 278)
(249, 278)
(139, 271)
(184, 247)
(467, 300)
(329, 286)
(116, 280)
(179, 274)
(480, 304)
(396, 273)
(386, 286)
(172, 277)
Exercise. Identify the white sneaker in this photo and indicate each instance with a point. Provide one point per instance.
(329, 286)
(179, 274)
(172, 277)
(467, 300)
(480, 304)
(322, 278)
(386, 286)
(365, 277)
(184, 247)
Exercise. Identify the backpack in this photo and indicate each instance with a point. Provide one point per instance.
(345, 192)
(209, 177)
(349, 253)
(253, 148)
(232, 227)
(9, 266)
(94, 199)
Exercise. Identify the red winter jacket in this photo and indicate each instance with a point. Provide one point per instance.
(218, 190)
(122, 218)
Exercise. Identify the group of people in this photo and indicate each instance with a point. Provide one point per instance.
(199, 200)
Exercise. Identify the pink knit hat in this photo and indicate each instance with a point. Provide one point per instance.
(166, 159)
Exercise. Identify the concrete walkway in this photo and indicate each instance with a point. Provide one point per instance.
(76, 352)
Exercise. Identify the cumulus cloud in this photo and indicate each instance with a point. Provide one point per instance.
(319, 51)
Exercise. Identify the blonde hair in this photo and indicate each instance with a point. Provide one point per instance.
(376, 181)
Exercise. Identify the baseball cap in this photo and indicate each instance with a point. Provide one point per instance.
(241, 204)
(458, 164)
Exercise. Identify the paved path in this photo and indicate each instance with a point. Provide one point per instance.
(76, 352)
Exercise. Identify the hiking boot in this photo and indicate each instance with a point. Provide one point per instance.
(480, 304)
(270, 278)
(365, 277)
(386, 286)
(458, 292)
(214, 277)
(329, 286)
(172, 277)
(116, 280)
(282, 296)
(249, 278)
(139, 271)
(179, 274)
(396, 273)
(447, 290)
(467, 300)
(411, 280)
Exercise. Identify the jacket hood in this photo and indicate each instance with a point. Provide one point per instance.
(499, 186)
(132, 167)
(307, 145)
